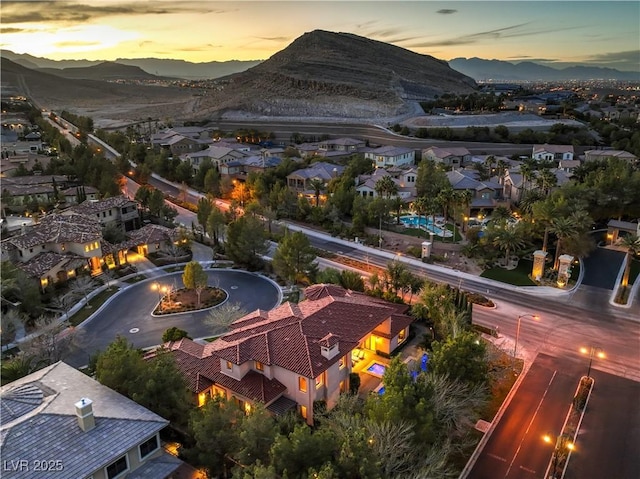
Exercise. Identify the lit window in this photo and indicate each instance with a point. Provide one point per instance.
(229, 365)
(302, 384)
(343, 362)
(259, 366)
(319, 381)
(149, 446)
(303, 411)
(402, 335)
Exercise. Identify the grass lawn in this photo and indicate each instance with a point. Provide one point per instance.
(94, 304)
(135, 279)
(517, 277)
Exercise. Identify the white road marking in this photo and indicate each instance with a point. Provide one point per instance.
(531, 422)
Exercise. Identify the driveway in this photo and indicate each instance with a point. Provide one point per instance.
(601, 268)
(129, 312)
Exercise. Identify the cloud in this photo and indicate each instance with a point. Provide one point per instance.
(274, 39)
(76, 44)
(63, 12)
(8, 30)
(447, 11)
(513, 31)
(627, 60)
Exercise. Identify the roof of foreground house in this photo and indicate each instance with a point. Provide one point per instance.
(290, 336)
(39, 421)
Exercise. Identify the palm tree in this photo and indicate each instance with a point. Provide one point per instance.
(563, 228)
(501, 169)
(318, 186)
(386, 187)
(632, 244)
(508, 239)
(544, 212)
(420, 206)
(444, 199)
(396, 204)
(545, 180)
(526, 170)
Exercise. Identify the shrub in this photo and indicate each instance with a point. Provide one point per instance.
(354, 383)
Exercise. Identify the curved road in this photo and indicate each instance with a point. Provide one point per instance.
(129, 312)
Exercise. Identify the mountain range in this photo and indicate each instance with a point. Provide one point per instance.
(479, 69)
(319, 75)
(497, 70)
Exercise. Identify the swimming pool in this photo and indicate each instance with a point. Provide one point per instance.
(376, 369)
(425, 223)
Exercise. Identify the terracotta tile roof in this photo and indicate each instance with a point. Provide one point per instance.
(290, 336)
(93, 207)
(57, 228)
(253, 386)
(152, 234)
(41, 264)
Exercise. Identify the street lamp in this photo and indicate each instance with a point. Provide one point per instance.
(155, 286)
(563, 446)
(520, 316)
(592, 351)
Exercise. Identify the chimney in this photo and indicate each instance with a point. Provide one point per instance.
(84, 412)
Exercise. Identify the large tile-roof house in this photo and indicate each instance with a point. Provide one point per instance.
(39, 187)
(391, 156)
(300, 180)
(455, 157)
(350, 145)
(56, 248)
(552, 152)
(73, 427)
(514, 185)
(118, 211)
(593, 155)
(219, 155)
(405, 179)
(294, 354)
(64, 244)
(484, 194)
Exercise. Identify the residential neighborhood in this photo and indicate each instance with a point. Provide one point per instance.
(203, 303)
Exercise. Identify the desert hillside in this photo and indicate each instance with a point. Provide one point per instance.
(321, 75)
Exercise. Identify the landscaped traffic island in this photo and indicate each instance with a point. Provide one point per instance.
(184, 300)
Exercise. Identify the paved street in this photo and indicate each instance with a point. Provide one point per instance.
(129, 313)
(608, 445)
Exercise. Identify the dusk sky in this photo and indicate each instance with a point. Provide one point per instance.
(554, 33)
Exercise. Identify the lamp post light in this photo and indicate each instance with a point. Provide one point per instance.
(563, 446)
(520, 316)
(162, 290)
(592, 351)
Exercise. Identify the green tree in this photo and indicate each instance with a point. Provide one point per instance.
(212, 182)
(302, 449)
(563, 228)
(351, 280)
(462, 357)
(162, 388)
(215, 432)
(204, 210)
(196, 278)
(294, 258)
(215, 225)
(156, 202)
(246, 242)
(318, 186)
(508, 238)
(174, 334)
(120, 367)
